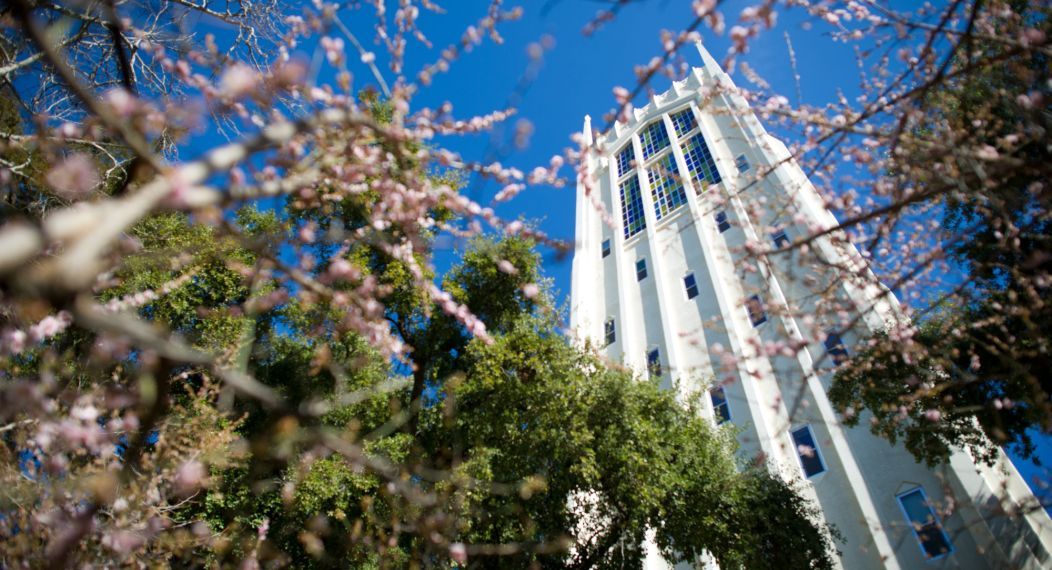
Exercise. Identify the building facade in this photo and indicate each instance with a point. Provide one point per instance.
(667, 279)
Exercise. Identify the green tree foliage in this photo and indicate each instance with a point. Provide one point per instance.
(531, 443)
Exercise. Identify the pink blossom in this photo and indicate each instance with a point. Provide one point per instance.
(189, 477)
(530, 290)
(238, 80)
(14, 341)
(507, 267)
(458, 552)
(123, 103)
(75, 177)
(932, 415)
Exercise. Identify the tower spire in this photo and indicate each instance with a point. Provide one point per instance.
(587, 130)
(708, 61)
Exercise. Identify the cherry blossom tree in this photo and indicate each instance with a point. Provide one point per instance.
(194, 349)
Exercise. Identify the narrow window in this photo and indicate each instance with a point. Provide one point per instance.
(925, 523)
(807, 450)
(641, 269)
(632, 207)
(722, 223)
(757, 314)
(720, 408)
(742, 162)
(836, 349)
(606, 247)
(610, 331)
(654, 362)
(780, 239)
(691, 286)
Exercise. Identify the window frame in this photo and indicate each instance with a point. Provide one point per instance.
(763, 311)
(654, 368)
(641, 269)
(837, 350)
(741, 160)
(725, 416)
(722, 225)
(693, 284)
(817, 451)
(609, 332)
(781, 236)
(938, 521)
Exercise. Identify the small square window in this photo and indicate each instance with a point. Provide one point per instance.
(641, 269)
(835, 348)
(606, 247)
(721, 410)
(654, 362)
(781, 239)
(757, 313)
(927, 527)
(610, 331)
(742, 162)
(807, 450)
(691, 286)
(722, 223)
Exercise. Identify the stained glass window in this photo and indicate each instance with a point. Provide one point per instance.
(632, 207)
(666, 186)
(684, 122)
(700, 163)
(654, 139)
(625, 158)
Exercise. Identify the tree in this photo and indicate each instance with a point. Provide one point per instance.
(544, 445)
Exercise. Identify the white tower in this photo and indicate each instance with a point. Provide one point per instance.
(691, 182)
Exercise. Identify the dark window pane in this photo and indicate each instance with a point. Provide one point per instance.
(610, 331)
(721, 221)
(720, 407)
(836, 349)
(641, 269)
(742, 163)
(807, 450)
(757, 314)
(925, 523)
(654, 362)
(780, 239)
(691, 286)
(606, 247)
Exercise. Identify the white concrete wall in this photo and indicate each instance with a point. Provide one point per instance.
(770, 394)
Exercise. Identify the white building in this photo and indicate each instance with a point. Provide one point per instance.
(665, 286)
